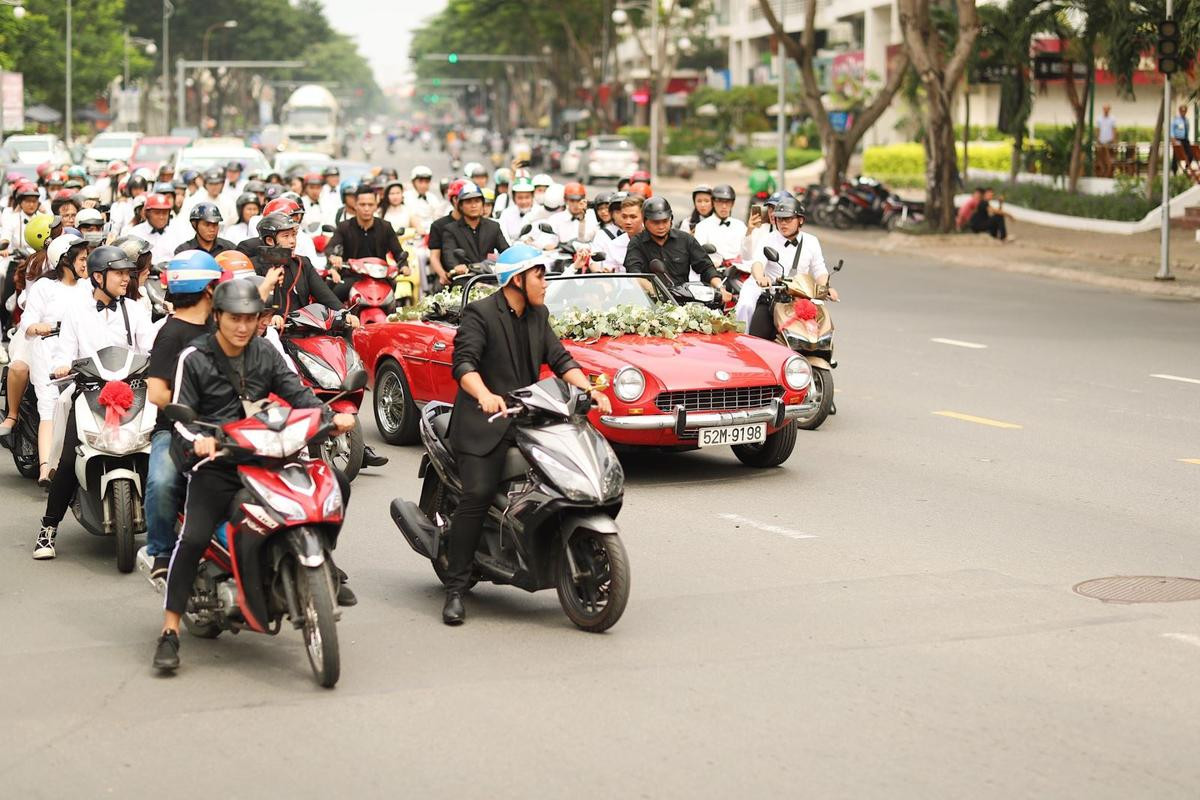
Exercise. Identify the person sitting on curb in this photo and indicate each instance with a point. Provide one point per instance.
(984, 219)
(967, 209)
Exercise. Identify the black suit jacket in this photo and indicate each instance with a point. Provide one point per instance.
(477, 245)
(486, 343)
(301, 285)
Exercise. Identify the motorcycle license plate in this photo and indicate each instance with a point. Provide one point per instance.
(733, 434)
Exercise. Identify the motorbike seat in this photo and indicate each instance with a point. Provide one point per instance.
(441, 426)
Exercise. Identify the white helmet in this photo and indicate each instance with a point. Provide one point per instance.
(542, 179)
(89, 216)
(90, 192)
(473, 169)
(59, 246)
(420, 171)
(555, 197)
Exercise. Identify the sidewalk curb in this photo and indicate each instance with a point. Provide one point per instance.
(910, 245)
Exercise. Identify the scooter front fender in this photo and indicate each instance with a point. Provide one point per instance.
(121, 473)
(306, 546)
(595, 521)
(817, 361)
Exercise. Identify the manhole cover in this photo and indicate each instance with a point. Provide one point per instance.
(1140, 589)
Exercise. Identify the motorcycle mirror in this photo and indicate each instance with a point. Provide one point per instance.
(598, 257)
(545, 228)
(838, 266)
(525, 230)
(658, 268)
(710, 248)
(177, 412)
(771, 253)
(459, 253)
(567, 247)
(328, 229)
(355, 380)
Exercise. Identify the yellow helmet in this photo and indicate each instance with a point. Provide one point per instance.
(37, 231)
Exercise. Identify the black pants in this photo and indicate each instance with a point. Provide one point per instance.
(63, 487)
(10, 288)
(480, 479)
(342, 290)
(762, 322)
(1187, 151)
(994, 225)
(210, 496)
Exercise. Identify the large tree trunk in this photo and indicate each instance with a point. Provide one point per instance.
(1079, 104)
(837, 159)
(1018, 145)
(1153, 190)
(941, 161)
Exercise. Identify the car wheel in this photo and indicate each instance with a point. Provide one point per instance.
(395, 410)
(771, 453)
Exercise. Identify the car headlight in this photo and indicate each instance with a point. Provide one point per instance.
(325, 377)
(289, 508)
(571, 482)
(796, 373)
(278, 444)
(628, 384)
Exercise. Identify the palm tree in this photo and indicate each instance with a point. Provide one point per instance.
(1004, 44)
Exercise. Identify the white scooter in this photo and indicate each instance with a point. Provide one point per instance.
(114, 454)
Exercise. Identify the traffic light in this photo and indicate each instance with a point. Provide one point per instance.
(452, 58)
(1168, 46)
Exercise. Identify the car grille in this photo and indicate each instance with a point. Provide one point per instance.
(724, 399)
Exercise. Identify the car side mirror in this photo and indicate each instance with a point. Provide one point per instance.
(177, 412)
(710, 248)
(354, 381)
(771, 253)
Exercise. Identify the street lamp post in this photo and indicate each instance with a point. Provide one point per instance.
(168, 10)
(229, 23)
(147, 44)
(67, 121)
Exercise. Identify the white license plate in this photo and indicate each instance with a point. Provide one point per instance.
(733, 434)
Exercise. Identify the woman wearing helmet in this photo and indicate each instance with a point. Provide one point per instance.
(424, 206)
(247, 209)
(392, 209)
(702, 208)
(90, 323)
(500, 346)
(45, 302)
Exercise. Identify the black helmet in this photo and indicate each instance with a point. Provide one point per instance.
(256, 187)
(789, 207)
(179, 183)
(204, 212)
(107, 257)
(234, 166)
(163, 187)
(273, 190)
(136, 182)
(724, 192)
(703, 188)
(214, 175)
(243, 200)
(331, 170)
(601, 199)
(656, 208)
(237, 297)
(274, 224)
(615, 199)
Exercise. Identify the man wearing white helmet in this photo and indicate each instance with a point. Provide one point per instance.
(424, 206)
(541, 182)
(476, 172)
(519, 212)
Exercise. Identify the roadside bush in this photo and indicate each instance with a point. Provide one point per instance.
(906, 160)
(638, 134)
(1124, 206)
(794, 156)
(690, 140)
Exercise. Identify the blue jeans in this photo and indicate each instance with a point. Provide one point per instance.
(165, 491)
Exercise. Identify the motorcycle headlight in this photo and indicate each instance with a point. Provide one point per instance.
(613, 482)
(571, 482)
(325, 377)
(289, 508)
(278, 444)
(333, 503)
(377, 271)
(117, 441)
(796, 373)
(628, 384)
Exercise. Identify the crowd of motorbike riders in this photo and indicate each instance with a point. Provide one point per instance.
(240, 252)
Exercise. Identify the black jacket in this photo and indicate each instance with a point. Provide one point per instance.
(680, 254)
(377, 242)
(219, 246)
(301, 285)
(250, 246)
(202, 384)
(486, 343)
(477, 244)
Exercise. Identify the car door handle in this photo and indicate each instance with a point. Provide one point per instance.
(439, 347)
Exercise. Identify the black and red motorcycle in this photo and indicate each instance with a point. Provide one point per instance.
(271, 560)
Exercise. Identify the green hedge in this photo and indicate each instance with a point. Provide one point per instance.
(638, 134)
(1128, 204)
(908, 158)
(794, 156)
(686, 141)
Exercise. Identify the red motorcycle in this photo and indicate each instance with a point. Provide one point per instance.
(375, 291)
(315, 338)
(270, 560)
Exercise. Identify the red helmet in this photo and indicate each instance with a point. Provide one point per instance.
(64, 194)
(641, 176)
(43, 168)
(456, 188)
(117, 168)
(641, 188)
(574, 191)
(313, 179)
(57, 176)
(282, 205)
(159, 202)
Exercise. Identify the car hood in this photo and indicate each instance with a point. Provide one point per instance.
(690, 361)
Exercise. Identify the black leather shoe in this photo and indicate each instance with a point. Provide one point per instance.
(346, 596)
(373, 459)
(166, 655)
(453, 612)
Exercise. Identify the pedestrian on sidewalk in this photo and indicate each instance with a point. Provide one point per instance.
(984, 219)
(1106, 137)
(1179, 135)
(962, 220)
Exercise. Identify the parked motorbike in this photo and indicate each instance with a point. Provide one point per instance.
(114, 423)
(315, 339)
(156, 289)
(901, 213)
(553, 521)
(271, 559)
(711, 157)
(373, 293)
(822, 204)
(23, 441)
(799, 308)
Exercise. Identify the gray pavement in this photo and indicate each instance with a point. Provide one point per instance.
(890, 614)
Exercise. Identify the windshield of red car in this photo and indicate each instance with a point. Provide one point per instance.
(601, 293)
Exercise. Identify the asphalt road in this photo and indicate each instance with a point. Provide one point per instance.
(890, 614)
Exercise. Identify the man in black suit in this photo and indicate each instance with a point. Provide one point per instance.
(500, 346)
(474, 234)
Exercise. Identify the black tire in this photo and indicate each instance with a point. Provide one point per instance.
(842, 219)
(771, 453)
(344, 453)
(820, 215)
(396, 414)
(434, 502)
(599, 599)
(320, 627)
(822, 385)
(23, 443)
(124, 532)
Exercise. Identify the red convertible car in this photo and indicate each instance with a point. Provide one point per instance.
(693, 390)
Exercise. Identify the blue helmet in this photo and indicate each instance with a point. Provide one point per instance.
(191, 271)
(347, 187)
(469, 191)
(517, 259)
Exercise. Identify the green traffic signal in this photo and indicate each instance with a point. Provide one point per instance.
(452, 58)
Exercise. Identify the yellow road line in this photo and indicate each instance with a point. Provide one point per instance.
(994, 423)
(1188, 460)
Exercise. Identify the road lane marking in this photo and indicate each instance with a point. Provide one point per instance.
(993, 423)
(1188, 460)
(788, 532)
(1178, 378)
(1186, 638)
(961, 343)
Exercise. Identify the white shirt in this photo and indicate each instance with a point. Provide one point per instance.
(423, 209)
(238, 232)
(808, 260)
(86, 330)
(614, 252)
(399, 218)
(47, 299)
(568, 229)
(512, 220)
(726, 238)
(1107, 129)
(162, 245)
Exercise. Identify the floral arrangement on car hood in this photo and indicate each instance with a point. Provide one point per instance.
(588, 324)
(662, 320)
